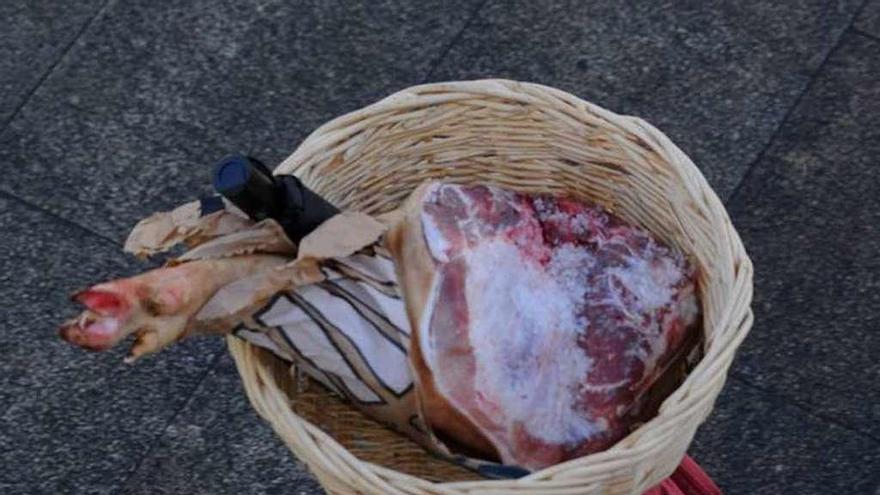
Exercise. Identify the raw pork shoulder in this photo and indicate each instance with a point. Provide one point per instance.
(539, 321)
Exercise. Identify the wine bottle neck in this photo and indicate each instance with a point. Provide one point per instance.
(251, 186)
(303, 210)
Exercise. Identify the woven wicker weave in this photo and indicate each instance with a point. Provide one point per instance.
(531, 138)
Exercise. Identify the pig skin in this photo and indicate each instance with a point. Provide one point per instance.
(157, 307)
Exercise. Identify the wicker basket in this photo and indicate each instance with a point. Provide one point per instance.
(532, 138)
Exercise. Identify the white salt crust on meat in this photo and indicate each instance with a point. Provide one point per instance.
(526, 298)
(523, 330)
(524, 324)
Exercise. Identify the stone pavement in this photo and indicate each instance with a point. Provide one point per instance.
(114, 109)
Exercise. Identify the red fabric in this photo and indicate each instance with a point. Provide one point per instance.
(688, 479)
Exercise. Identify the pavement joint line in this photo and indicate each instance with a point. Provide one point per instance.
(67, 48)
(777, 396)
(45, 211)
(786, 116)
(861, 9)
(445, 50)
(158, 437)
(859, 32)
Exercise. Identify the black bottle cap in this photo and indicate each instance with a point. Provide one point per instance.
(248, 184)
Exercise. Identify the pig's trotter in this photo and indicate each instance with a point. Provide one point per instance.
(157, 307)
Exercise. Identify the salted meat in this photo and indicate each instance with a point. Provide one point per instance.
(540, 321)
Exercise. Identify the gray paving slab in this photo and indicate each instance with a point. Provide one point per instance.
(809, 215)
(72, 421)
(868, 20)
(155, 92)
(716, 76)
(218, 444)
(35, 36)
(758, 444)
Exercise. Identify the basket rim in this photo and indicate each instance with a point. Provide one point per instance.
(265, 394)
